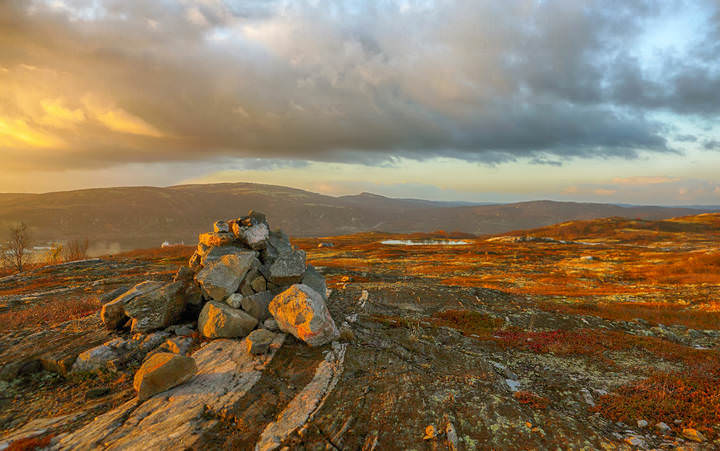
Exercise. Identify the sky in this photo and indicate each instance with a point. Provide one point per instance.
(607, 101)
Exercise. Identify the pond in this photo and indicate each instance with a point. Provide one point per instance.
(426, 242)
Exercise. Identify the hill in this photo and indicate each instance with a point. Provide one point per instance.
(132, 217)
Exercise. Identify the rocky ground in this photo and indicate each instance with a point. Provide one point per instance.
(420, 364)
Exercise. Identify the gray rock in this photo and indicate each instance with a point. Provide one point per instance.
(161, 372)
(118, 351)
(258, 284)
(288, 268)
(271, 325)
(214, 253)
(184, 330)
(146, 343)
(245, 287)
(219, 320)
(278, 244)
(113, 313)
(234, 300)
(301, 311)
(221, 278)
(256, 305)
(258, 342)
(157, 308)
(254, 236)
(315, 280)
(178, 345)
(97, 358)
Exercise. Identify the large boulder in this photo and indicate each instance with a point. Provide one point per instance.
(161, 372)
(288, 268)
(301, 311)
(221, 278)
(158, 308)
(113, 313)
(257, 304)
(222, 321)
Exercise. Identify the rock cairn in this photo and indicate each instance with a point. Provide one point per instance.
(244, 280)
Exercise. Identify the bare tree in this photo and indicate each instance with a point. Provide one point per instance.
(16, 252)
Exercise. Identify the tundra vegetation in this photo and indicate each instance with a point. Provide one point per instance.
(601, 333)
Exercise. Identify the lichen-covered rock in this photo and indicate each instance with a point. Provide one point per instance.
(221, 278)
(216, 239)
(161, 372)
(288, 268)
(222, 321)
(258, 342)
(215, 253)
(315, 280)
(220, 227)
(158, 308)
(301, 311)
(113, 313)
(256, 305)
(195, 262)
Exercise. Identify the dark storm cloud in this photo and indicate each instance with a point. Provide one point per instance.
(712, 144)
(101, 83)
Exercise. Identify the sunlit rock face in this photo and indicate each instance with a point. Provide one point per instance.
(301, 311)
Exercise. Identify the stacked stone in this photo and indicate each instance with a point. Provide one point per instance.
(243, 276)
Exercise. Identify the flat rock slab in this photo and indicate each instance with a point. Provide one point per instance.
(304, 406)
(54, 349)
(178, 418)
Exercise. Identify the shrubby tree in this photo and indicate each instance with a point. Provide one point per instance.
(15, 253)
(76, 250)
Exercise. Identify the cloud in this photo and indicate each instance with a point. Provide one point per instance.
(352, 81)
(711, 144)
(644, 180)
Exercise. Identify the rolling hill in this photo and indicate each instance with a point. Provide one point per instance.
(132, 217)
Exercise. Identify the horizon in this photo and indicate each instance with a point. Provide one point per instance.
(461, 202)
(566, 101)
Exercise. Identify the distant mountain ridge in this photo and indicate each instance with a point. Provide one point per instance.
(133, 217)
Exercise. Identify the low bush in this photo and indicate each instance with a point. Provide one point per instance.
(692, 396)
(50, 312)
